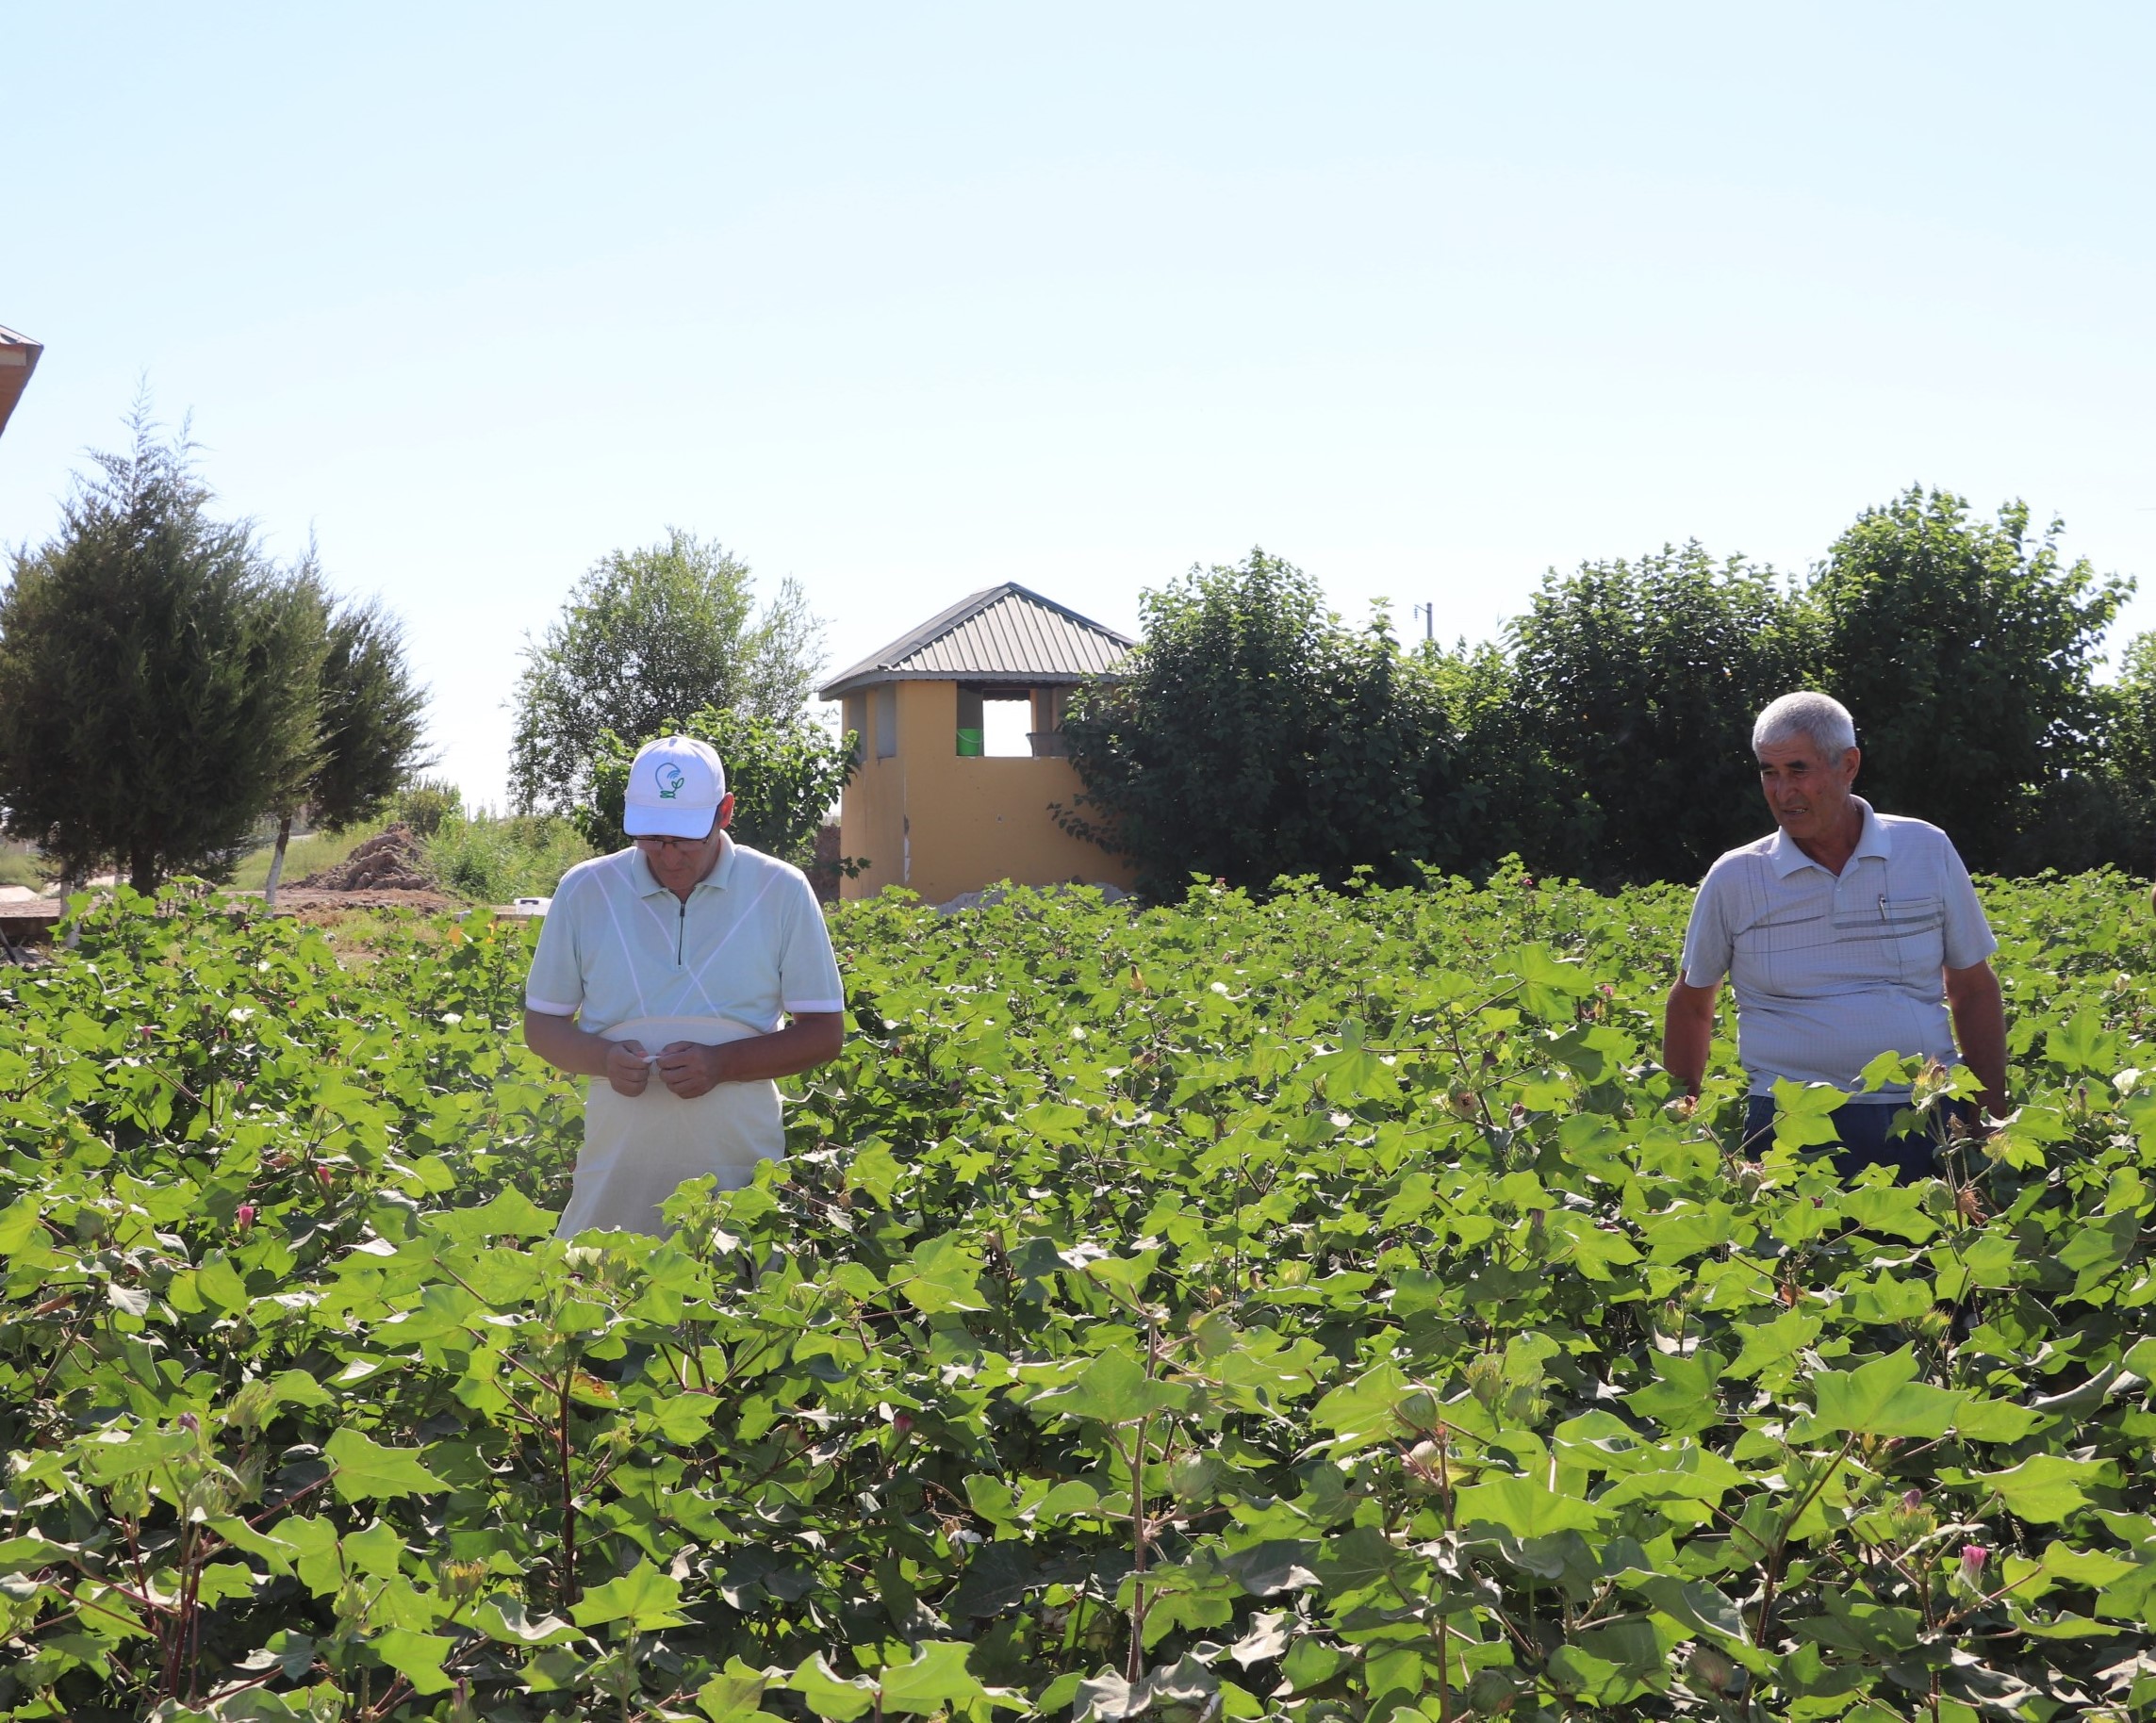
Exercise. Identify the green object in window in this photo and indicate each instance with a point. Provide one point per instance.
(969, 745)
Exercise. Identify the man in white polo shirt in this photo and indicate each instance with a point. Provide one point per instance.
(1846, 934)
(678, 959)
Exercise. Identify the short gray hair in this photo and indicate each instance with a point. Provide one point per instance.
(1819, 717)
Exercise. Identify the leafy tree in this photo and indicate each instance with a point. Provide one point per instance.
(1638, 682)
(2101, 812)
(784, 774)
(371, 718)
(1967, 652)
(159, 675)
(1507, 795)
(645, 634)
(2129, 746)
(1254, 736)
(426, 803)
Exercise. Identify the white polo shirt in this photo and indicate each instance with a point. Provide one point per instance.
(750, 945)
(1832, 972)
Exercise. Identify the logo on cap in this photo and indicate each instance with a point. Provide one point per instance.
(670, 781)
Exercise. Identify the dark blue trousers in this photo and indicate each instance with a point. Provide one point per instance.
(1863, 1128)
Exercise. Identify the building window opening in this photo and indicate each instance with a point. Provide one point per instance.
(886, 721)
(1004, 727)
(854, 722)
(994, 723)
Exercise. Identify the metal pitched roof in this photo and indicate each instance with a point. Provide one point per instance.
(1007, 633)
(18, 359)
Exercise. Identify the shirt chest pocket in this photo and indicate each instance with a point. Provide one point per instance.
(1908, 934)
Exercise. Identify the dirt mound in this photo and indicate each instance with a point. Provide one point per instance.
(388, 861)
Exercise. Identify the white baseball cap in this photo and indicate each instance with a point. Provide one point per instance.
(675, 786)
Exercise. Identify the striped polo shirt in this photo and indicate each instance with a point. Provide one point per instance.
(1829, 971)
(750, 945)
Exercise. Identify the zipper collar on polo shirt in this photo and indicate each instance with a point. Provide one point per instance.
(647, 885)
(1786, 858)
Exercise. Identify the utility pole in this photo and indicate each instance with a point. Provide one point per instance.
(1429, 616)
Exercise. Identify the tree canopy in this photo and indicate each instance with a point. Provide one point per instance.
(371, 724)
(1638, 682)
(159, 673)
(1607, 736)
(1967, 652)
(646, 635)
(1252, 735)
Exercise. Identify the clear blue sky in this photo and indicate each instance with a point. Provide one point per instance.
(904, 301)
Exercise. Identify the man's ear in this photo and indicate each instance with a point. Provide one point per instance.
(725, 817)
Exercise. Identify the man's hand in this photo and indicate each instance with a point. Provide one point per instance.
(689, 1069)
(628, 1068)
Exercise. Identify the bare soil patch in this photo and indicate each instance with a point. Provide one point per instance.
(388, 861)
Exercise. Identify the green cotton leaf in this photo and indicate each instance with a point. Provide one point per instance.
(2045, 1488)
(2061, 1565)
(1261, 1370)
(1881, 1399)
(1523, 1508)
(682, 1419)
(1351, 1074)
(1310, 1663)
(32, 1551)
(1684, 1400)
(2081, 1044)
(997, 1579)
(935, 1680)
(1364, 1411)
(418, 1657)
(827, 1695)
(107, 1614)
(1803, 1114)
(366, 1471)
(1699, 1606)
(874, 1169)
(317, 1563)
(506, 1620)
(1594, 1250)
(377, 1549)
(735, 1694)
(508, 1214)
(642, 1598)
(114, 1454)
(991, 1497)
(297, 1389)
(1888, 1299)
(1126, 1274)
(1115, 1389)
(2099, 1248)
(22, 1231)
(1888, 1208)
(220, 1284)
(945, 1277)
(1994, 1420)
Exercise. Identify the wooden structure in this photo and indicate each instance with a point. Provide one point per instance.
(18, 359)
(929, 808)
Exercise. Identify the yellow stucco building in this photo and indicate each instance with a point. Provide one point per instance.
(932, 807)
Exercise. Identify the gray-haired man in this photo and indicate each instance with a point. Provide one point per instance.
(1846, 934)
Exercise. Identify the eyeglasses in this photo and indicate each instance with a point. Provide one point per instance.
(665, 845)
